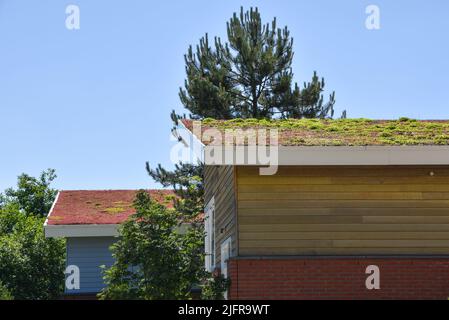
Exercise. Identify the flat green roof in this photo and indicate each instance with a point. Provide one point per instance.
(341, 132)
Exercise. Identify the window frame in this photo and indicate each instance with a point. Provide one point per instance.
(209, 241)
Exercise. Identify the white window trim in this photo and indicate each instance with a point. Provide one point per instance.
(223, 262)
(227, 244)
(209, 243)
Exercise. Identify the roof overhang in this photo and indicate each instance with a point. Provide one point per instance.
(364, 155)
(317, 155)
(79, 231)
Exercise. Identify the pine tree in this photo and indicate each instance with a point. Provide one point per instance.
(187, 182)
(250, 75)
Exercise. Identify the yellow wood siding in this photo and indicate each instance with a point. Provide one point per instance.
(344, 210)
(220, 182)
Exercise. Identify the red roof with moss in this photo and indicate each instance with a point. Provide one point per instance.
(99, 207)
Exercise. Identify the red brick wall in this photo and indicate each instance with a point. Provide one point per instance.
(338, 278)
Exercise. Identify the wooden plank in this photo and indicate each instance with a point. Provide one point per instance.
(403, 219)
(340, 196)
(421, 243)
(286, 243)
(257, 251)
(300, 219)
(262, 212)
(283, 227)
(351, 171)
(341, 180)
(343, 219)
(435, 195)
(370, 235)
(283, 188)
(245, 204)
(354, 243)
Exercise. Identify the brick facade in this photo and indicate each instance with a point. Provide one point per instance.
(338, 278)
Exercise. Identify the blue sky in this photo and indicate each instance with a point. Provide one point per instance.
(94, 103)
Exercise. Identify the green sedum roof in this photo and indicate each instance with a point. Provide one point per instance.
(342, 132)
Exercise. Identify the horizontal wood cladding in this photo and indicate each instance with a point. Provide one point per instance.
(220, 184)
(344, 210)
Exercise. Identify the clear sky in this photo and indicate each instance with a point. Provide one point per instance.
(94, 103)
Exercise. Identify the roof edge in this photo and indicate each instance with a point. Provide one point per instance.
(81, 230)
(192, 142)
(52, 208)
(329, 155)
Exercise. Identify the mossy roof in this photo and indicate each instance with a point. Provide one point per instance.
(340, 132)
(80, 207)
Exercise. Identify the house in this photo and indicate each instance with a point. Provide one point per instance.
(89, 222)
(351, 208)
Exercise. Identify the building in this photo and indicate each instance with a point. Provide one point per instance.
(89, 220)
(349, 199)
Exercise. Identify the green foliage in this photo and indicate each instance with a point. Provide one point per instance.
(31, 266)
(214, 287)
(187, 182)
(153, 259)
(4, 293)
(32, 195)
(331, 132)
(250, 75)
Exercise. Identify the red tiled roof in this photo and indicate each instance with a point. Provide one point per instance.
(99, 207)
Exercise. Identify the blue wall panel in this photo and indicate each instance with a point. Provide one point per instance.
(89, 254)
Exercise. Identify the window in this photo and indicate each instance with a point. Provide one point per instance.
(210, 235)
(225, 255)
(225, 251)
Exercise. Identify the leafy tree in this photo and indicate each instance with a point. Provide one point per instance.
(153, 258)
(214, 287)
(32, 195)
(250, 75)
(4, 293)
(31, 266)
(187, 182)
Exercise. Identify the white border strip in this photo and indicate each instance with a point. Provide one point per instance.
(335, 155)
(79, 231)
(194, 144)
(51, 209)
(368, 155)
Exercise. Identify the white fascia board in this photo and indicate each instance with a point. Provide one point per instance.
(334, 155)
(367, 155)
(195, 146)
(51, 209)
(79, 231)
(91, 230)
